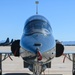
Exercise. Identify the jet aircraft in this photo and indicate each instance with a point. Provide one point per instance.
(37, 45)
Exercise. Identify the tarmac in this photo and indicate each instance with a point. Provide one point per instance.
(15, 67)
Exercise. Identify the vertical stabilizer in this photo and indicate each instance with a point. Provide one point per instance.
(7, 40)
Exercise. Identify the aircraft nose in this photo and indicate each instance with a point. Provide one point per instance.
(28, 44)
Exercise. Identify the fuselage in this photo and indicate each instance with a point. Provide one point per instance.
(37, 34)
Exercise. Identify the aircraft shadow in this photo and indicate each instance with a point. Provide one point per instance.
(27, 74)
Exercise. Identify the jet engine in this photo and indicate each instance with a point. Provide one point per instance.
(59, 49)
(15, 48)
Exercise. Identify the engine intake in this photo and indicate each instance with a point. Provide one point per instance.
(15, 48)
(59, 49)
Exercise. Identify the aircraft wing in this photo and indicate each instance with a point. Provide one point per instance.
(69, 52)
(5, 50)
(69, 47)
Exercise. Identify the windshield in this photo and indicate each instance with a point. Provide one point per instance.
(38, 26)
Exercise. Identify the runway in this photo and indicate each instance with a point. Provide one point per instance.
(15, 67)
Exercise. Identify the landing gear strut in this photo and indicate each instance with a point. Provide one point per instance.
(37, 68)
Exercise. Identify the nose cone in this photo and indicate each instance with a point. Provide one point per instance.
(47, 42)
(37, 30)
(27, 43)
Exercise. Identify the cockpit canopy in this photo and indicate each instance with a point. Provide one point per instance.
(37, 24)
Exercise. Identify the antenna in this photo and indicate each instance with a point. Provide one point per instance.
(36, 2)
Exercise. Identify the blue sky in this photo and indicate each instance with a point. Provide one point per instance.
(60, 13)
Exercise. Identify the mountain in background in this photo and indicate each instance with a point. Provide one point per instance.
(68, 43)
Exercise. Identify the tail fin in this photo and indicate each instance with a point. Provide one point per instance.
(11, 41)
(7, 40)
